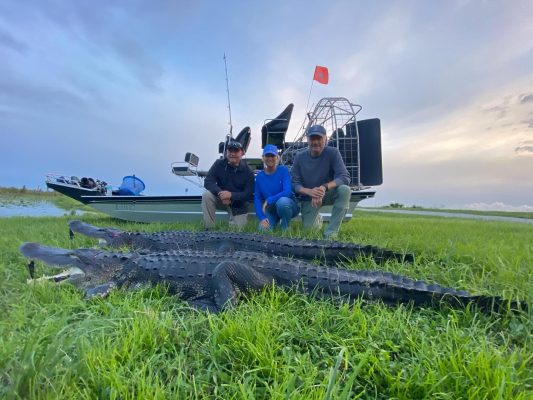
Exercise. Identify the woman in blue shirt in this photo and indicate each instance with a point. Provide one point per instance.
(273, 198)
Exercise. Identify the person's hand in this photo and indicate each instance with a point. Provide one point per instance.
(226, 202)
(316, 202)
(314, 193)
(224, 195)
(319, 192)
(265, 224)
(265, 205)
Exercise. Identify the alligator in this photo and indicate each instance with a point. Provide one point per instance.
(213, 282)
(325, 250)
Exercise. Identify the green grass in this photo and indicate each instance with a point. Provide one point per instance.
(276, 344)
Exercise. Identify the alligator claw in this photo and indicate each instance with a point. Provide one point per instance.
(31, 268)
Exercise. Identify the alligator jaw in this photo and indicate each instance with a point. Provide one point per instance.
(52, 256)
(71, 273)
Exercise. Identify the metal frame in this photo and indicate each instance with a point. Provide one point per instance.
(333, 113)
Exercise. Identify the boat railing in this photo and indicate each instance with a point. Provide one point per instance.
(84, 183)
(63, 178)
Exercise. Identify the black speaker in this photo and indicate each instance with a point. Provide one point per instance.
(371, 168)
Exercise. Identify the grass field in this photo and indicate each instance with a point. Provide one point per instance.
(276, 344)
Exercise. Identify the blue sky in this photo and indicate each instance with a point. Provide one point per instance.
(111, 88)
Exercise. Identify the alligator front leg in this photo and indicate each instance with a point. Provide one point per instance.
(204, 305)
(102, 290)
(230, 277)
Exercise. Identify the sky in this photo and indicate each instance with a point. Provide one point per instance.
(113, 88)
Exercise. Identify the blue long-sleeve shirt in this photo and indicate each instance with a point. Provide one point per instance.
(271, 187)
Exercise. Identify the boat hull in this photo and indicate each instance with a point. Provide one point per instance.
(180, 208)
(73, 192)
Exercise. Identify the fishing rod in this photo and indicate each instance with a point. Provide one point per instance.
(229, 104)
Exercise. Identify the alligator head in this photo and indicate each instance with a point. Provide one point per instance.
(105, 234)
(93, 271)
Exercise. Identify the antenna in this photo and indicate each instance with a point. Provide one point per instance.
(229, 104)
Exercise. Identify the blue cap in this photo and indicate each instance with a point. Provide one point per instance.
(316, 130)
(270, 149)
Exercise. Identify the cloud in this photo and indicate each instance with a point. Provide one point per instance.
(28, 96)
(11, 43)
(525, 148)
(81, 36)
(526, 98)
(138, 60)
(528, 122)
(500, 111)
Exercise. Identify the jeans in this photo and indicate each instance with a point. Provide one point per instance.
(282, 211)
(339, 197)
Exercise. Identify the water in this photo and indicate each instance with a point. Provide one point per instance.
(29, 208)
(453, 215)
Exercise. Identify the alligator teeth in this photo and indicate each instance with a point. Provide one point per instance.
(69, 273)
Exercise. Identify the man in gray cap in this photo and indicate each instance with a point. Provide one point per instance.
(320, 177)
(229, 186)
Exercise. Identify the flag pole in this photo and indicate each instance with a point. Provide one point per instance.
(308, 98)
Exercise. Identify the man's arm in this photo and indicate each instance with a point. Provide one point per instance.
(296, 176)
(210, 181)
(341, 176)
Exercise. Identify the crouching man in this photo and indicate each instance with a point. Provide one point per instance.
(229, 186)
(320, 177)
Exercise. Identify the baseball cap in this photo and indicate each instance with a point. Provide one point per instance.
(316, 130)
(270, 149)
(233, 144)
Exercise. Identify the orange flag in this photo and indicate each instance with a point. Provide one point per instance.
(321, 75)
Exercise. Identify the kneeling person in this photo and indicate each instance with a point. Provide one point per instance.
(230, 186)
(320, 177)
(273, 197)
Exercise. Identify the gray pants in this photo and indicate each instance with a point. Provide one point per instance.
(211, 203)
(339, 197)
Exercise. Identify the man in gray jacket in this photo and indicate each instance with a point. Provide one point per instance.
(320, 177)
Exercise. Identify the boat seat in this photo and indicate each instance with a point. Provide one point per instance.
(244, 137)
(274, 130)
(182, 170)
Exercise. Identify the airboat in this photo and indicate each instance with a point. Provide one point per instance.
(358, 141)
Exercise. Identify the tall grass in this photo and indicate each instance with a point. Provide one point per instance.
(275, 344)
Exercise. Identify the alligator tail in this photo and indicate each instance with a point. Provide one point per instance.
(393, 289)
